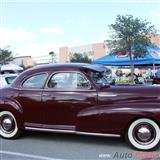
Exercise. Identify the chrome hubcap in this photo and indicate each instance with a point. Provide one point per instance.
(144, 134)
(7, 124)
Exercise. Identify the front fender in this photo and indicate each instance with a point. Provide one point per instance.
(115, 118)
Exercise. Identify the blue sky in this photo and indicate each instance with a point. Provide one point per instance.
(35, 27)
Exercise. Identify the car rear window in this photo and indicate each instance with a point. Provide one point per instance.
(35, 81)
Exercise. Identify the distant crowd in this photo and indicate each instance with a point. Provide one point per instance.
(140, 77)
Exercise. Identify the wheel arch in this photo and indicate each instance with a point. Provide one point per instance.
(16, 109)
(142, 144)
(139, 117)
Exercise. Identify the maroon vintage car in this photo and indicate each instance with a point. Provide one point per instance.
(76, 98)
(156, 80)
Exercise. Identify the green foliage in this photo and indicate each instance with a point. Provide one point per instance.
(132, 35)
(78, 57)
(5, 56)
(51, 53)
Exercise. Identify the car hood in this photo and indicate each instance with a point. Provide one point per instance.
(135, 89)
(130, 94)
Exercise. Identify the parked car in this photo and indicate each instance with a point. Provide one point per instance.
(6, 79)
(76, 98)
(156, 80)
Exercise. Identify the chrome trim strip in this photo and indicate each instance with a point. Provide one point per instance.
(71, 131)
(49, 130)
(47, 126)
(98, 134)
(105, 94)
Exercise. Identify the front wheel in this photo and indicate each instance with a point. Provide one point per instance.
(8, 125)
(143, 134)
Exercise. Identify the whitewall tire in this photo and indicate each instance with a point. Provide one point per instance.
(8, 125)
(143, 134)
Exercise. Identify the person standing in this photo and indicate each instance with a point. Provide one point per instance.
(158, 73)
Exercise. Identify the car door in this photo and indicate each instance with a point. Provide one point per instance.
(30, 99)
(64, 96)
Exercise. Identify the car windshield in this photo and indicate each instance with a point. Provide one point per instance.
(99, 78)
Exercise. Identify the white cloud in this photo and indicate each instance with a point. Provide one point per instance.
(38, 49)
(8, 36)
(53, 30)
(156, 13)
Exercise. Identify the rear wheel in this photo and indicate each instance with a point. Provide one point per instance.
(8, 125)
(143, 134)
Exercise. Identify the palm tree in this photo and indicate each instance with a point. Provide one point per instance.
(53, 55)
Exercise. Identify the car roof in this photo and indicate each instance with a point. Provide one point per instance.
(58, 67)
(94, 67)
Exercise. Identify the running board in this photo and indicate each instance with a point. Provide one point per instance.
(72, 132)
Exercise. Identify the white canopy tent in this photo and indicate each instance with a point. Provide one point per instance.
(9, 67)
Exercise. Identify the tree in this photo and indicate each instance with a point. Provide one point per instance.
(53, 55)
(130, 35)
(78, 57)
(5, 56)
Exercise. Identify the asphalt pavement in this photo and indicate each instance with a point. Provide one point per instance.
(51, 146)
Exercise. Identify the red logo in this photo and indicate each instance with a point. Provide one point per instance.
(155, 53)
(122, 54)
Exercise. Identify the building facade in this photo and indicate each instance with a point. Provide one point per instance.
(94, 51)
(155, 39)
(24, 61)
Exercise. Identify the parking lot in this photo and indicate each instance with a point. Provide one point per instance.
(51, 146)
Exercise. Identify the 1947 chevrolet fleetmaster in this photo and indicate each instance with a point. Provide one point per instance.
(76, 98)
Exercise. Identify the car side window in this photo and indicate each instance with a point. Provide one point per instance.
(68, 81)
(35, 81)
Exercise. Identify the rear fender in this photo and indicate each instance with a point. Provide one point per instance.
(15, 108)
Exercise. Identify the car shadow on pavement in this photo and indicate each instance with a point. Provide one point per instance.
(75, 138)
(112, 142)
